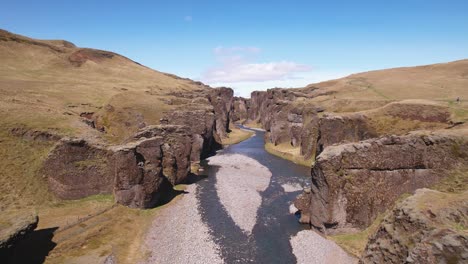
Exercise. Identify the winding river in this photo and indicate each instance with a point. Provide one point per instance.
(238, 212)
(269, 239)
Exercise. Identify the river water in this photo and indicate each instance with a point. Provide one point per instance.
(269, 240)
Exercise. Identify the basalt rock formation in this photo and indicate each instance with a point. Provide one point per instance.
(77, 168)
(155, 159)
(424, 228)
(285, 118)
(352, 183)
(240, 109)
(335, 129)
(289, 116)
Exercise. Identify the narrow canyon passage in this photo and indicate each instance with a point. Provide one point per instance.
(239, 213)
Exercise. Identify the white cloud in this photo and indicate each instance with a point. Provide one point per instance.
(235, 64)
(303, 79)
(188, 18)
(254, 72)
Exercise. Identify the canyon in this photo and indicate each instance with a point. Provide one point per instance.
(98, 153)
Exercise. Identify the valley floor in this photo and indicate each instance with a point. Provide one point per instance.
(227, 218)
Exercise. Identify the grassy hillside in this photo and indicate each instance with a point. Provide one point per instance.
(46, 88)
(440, 83)
(48, 84)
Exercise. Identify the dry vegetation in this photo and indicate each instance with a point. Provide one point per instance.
(286, 151)
(439, 84)
(236, 135)
(45, 86)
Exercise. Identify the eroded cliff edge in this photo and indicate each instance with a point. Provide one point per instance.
(362, 162)
(352, 183)
(428, 227)
(152, 161)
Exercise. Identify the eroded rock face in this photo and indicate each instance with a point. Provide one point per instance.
(221, 100)
(340, 129)
(156, 158)
(423, 228)
(202, 128)
(285, 120)
(77, 168)
(139, 177)
(239, 109)
(352, 183)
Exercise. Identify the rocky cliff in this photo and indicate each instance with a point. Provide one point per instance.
(352, 183)
(240, 109)
(156, 158)
(294, 117)
(428, 227)
(14, 226)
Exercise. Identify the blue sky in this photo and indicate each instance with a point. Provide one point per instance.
(254, 45)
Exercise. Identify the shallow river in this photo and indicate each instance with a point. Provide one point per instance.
(269, 240)
(238, 212)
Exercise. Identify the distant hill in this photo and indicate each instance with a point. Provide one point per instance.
(441, 83)
(48, 84)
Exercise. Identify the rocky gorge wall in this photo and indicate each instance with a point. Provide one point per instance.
(352, 183)
(424, 228)
(360, 168)
(156, 158)
(288, 117)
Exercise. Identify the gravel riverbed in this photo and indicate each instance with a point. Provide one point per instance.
(178, 234)
(239, 181)
(311, 248)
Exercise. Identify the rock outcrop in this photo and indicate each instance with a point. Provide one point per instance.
(77, 168)
(221, 100)
(240, 109)
(287, 118)
(155, 159)
(14, 226)
(428, 227)
(352, 183)
(335, 129)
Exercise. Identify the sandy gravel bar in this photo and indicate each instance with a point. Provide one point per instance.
(178, 234)
(238, 183)
(311, 248)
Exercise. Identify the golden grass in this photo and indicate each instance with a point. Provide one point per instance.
(40, 90)
(253, 124)
(236, 135)
(455, 182)
(355, 243)
(94, 227)
(288, 152)
(21, 185)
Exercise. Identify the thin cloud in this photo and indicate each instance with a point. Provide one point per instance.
(235, 65)
(188, 18)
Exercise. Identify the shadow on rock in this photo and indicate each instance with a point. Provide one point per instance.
(168, 196)
(33, 249)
